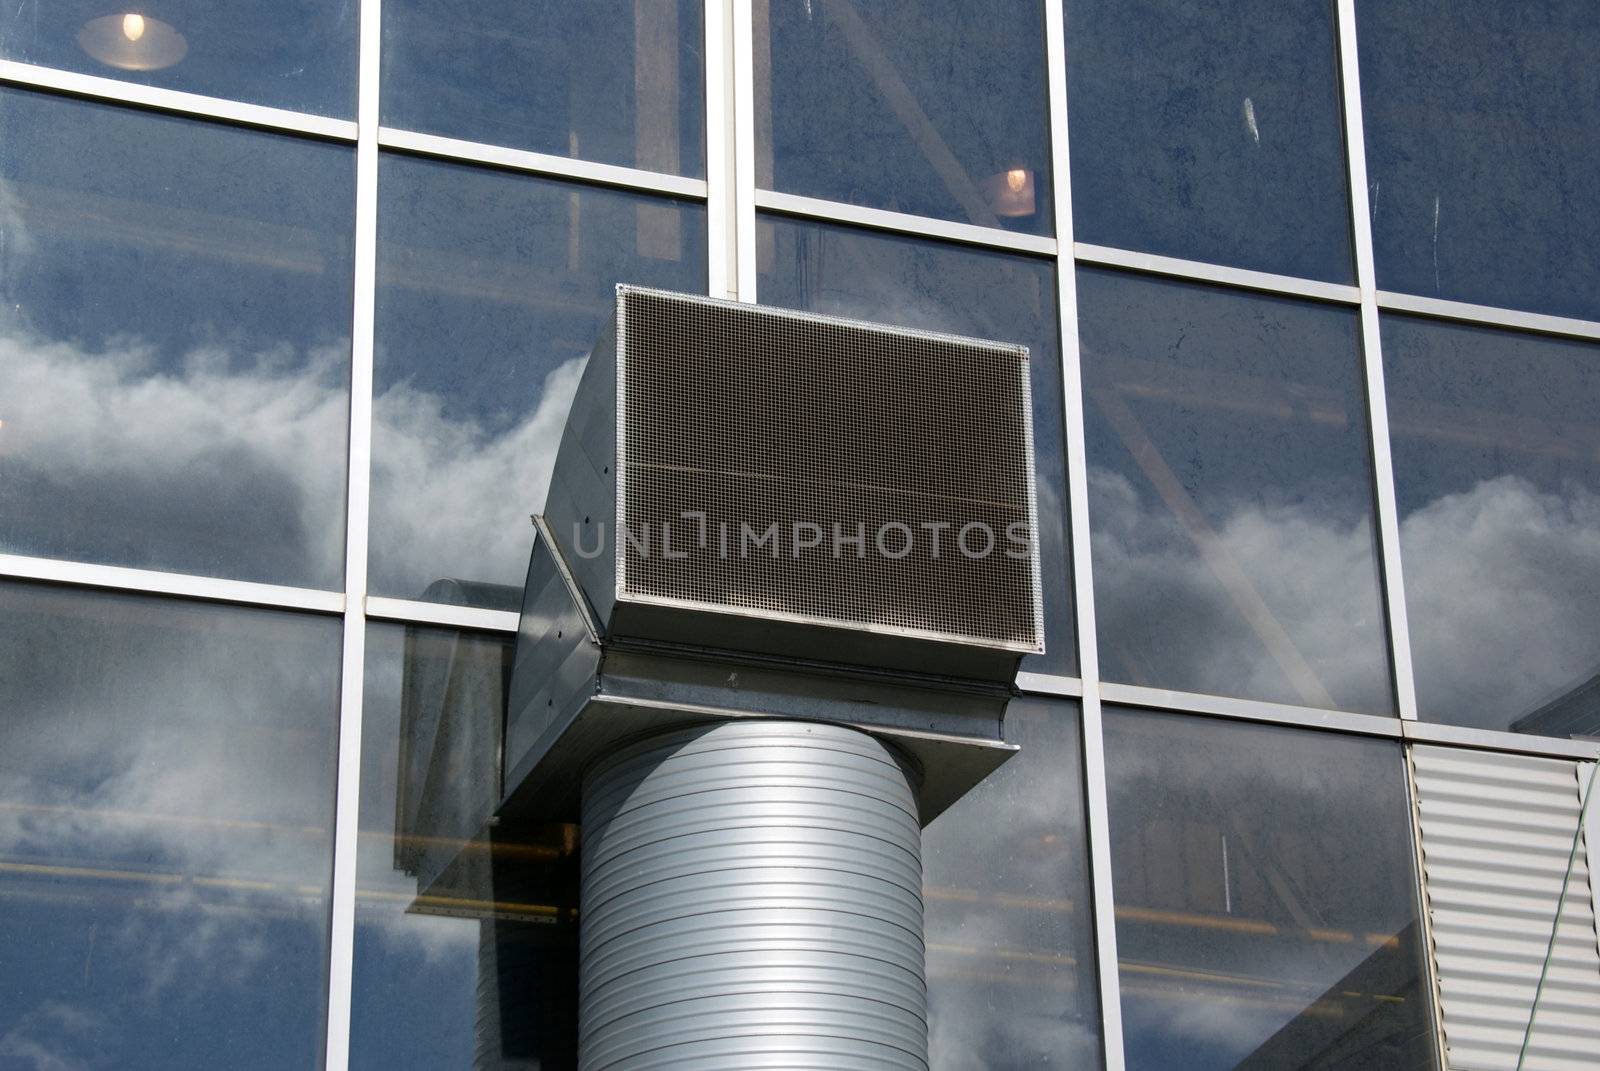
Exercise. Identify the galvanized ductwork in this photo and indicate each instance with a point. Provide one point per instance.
(752, 897)
(784, 576)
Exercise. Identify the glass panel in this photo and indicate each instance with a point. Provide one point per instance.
(965, 291)
(933, 108)
(175, 307)
(492, 287)
(166, 816)
(1011, 967)
(294, 54)
(617, 81)
(1266, 898)
(466, 951)
(1481, 154)
(1210, 130)
(1230, 494)
(1497, 478)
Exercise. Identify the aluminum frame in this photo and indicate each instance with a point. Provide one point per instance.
(1398, 622)
(720, 224)
(1198, 271)
(183, 585)
(347, 793)
(1097, 816)
(1428, 732)
(741, 30)
(1487, 316)
(1396, 618)
(30, 76)
(539, 163)
(1424, 912)
(1590, 821)
(1049, 684)
(1386, 725)
(789, 204)
(443, 615)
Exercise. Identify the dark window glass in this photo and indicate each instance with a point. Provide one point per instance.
(1210, 130)
(1497, 476)
(937, 287)
(166, 816)
(294, 54)
(1230, 494)
(1481, 155)
(175, 305)
(492, 287)
(1266, 899)
(1011, 969)
(617, 81)
(466, 936)
(932, 108)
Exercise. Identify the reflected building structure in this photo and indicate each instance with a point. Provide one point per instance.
(293, 303)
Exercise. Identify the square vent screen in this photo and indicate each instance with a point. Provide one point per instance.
(786, 465)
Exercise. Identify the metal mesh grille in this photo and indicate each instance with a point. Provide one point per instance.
(783, 429)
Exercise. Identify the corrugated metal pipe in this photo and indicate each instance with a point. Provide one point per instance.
(752, 898)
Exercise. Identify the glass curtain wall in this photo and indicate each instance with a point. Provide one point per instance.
(1314, 383)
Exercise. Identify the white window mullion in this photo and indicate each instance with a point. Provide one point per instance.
(341, 947)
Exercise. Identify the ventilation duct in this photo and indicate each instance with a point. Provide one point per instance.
(780, 589)
(752, 897)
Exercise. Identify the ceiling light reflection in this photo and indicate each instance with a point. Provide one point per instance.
(132, 42)
(1010, 193)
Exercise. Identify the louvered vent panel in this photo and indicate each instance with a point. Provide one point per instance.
(1497, 830)
(757, 419)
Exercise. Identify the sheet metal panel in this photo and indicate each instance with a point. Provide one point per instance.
(1497, 833)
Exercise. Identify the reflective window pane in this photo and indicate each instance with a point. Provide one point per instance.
(492, 287)
(466, 937)
(1481, 154)
(1011, 968)
(166, 816)
(937, 287)
(616, 81)
(175, 303)
(932, 108)
(1230, 494)
(1266, 898)
(1496, 443)
(294, 54)
(1210, 130)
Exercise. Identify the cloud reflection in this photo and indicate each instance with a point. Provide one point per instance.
(451, 498)
(1503, 590)
(233, 465)
(229, 464)
(1010, 950)
(166, 781)
(1167, 621)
